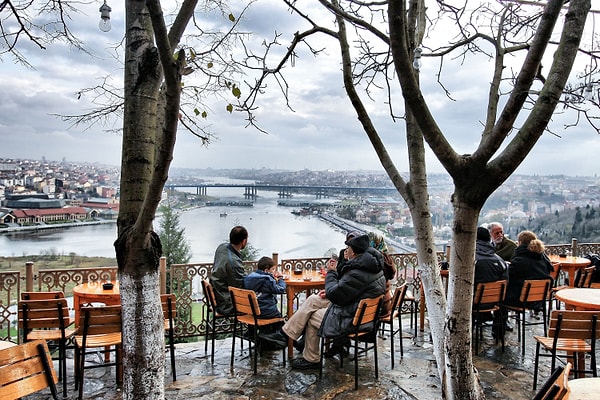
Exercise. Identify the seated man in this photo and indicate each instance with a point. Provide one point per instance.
(363, 279)
(489, 266)
(228, 268)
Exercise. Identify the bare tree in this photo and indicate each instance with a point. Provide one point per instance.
(389, 39)
(153, 104)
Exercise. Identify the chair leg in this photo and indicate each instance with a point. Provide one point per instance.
(535, 365)
(355, 364)
(232, 344)
(392, 341)
(172, 352)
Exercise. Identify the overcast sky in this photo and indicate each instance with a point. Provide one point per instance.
(321, 133)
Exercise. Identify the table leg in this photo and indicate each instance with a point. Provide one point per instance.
(291, 293)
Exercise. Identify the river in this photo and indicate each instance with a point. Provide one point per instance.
(271, 228)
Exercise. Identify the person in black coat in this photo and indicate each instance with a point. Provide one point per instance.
(360, 276)
(489, 267)
(529, 262)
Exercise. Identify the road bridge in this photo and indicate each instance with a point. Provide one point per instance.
(320, 191)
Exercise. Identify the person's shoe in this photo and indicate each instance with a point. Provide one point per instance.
(299, 344)
(301, 363)
(335, 350)
(508, 327)
(277, 338)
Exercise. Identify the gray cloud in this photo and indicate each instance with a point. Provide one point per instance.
(322, 132)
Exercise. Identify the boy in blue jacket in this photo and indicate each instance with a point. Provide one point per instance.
(267, 282)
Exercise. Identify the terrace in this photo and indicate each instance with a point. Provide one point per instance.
(503, 375)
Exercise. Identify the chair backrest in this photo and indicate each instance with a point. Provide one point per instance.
(399, 295)
(26, 369)
(535, 290)
(574, 325)
(490, 292)
(100, 320)
(43, 314)
(585, 278)
(549, 389)
(560, 386)
(244, 301)
(209, 294)
(169, 309)
(42, 295)
(367, 311)
(555, 273)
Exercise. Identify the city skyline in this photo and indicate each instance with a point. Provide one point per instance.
(322, 133)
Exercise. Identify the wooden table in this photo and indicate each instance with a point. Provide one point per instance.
(571, 265)
(5, 344)
(583, 389)
(298, 283)
(580, 298)
(93, 292)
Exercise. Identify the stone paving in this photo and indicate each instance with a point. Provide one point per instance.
(505, 375)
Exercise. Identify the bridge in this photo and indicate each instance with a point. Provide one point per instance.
(251, 190)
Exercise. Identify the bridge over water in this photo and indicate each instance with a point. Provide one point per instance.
(251, 190)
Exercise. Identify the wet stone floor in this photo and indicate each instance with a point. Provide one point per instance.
(504, 375)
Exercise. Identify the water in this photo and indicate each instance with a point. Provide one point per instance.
(271, 229)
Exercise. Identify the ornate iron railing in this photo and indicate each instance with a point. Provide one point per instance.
(184, 280)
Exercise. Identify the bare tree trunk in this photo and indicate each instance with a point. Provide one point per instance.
(138, 248)
(461, 376)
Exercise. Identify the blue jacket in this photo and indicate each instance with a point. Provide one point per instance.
(266, 288)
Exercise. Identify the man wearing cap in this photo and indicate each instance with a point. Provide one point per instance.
(361, 276)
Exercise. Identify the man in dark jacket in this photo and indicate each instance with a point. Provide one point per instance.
(228, 269)
(489, 267)
(362, 278)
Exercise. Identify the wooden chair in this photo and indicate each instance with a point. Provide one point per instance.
(585, 277)
(213, 319)
(48, 320)
(388, 321)
(99, 328)
(488, 298)
(557, 285)
(26, 369)
(247, 312)
(549, 389)
(533, 291)
(364, 329)
(168, 302)
(572, 332)
(42, 295)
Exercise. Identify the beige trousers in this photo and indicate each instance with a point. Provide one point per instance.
(308, 319)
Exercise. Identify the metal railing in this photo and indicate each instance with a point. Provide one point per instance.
(184, 280)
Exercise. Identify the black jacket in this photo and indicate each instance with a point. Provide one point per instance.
(489, 266)
(361, 278)
(523, 266)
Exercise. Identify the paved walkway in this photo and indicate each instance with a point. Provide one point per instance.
(505, 375)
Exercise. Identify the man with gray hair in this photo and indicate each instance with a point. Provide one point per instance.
(504, 247)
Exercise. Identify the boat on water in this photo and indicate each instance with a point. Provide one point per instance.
(223, 214)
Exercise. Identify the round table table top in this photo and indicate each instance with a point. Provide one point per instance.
(584, 298)
(583, 389)
(5, 344)
(570, 261)
(95, 288)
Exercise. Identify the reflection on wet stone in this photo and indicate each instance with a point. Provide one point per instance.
(299, 382)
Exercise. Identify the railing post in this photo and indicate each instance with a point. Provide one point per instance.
(574, 251)
(29, 276)
(163, 274)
